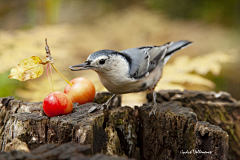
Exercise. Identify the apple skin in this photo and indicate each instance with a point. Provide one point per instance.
(82, 90)
(57, 103)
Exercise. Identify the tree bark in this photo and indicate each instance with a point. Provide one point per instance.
(173, 133)
(218, 109)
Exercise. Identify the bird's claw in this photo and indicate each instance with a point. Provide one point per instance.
(103, 106)
(92, 109)
(100, 107)
(153, 110)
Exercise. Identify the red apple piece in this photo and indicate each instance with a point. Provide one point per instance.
(81, 91)
(57, 103)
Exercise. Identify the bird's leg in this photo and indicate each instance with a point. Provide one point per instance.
(108, 102)
(94, 108)
(154, 104)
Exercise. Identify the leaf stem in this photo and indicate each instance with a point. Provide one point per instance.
(61, 75)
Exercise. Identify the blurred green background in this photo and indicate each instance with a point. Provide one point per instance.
(77, 28)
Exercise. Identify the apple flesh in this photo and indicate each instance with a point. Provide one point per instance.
(57, 103)
(81, 91)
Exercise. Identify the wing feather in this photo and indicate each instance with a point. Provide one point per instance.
(146, 58)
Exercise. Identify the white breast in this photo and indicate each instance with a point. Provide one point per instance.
(115, 80)
(115, 77)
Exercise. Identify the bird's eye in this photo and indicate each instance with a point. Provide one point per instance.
(102, 61)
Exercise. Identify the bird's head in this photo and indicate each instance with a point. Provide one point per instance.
(101, 61)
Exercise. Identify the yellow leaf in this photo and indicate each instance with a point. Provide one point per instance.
(29, 68)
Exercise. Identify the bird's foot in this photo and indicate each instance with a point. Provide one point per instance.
(99, 107)
(103, 106)
(154, 108)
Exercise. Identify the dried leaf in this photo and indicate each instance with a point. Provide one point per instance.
(29, 68)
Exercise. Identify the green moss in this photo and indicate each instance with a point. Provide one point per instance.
(233, 134)
(119, 122)
(176, 131)
(97, 101)
(206, 116)
(22, 137)
(222, 117)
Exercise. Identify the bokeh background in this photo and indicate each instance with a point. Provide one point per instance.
(77, 28)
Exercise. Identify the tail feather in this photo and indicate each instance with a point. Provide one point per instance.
(175, 47)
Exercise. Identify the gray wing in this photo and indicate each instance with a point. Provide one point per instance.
(139, 61)
(145, 59)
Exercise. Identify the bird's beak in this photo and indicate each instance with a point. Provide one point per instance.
(79, 67)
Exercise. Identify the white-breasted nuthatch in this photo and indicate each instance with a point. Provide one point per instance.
(131, 70)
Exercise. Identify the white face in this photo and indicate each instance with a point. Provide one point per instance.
(110, 65)
(101, 64)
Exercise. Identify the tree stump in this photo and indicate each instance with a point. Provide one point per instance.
(218, 109)
(173, 133)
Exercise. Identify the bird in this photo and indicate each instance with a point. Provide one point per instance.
(131, 70)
